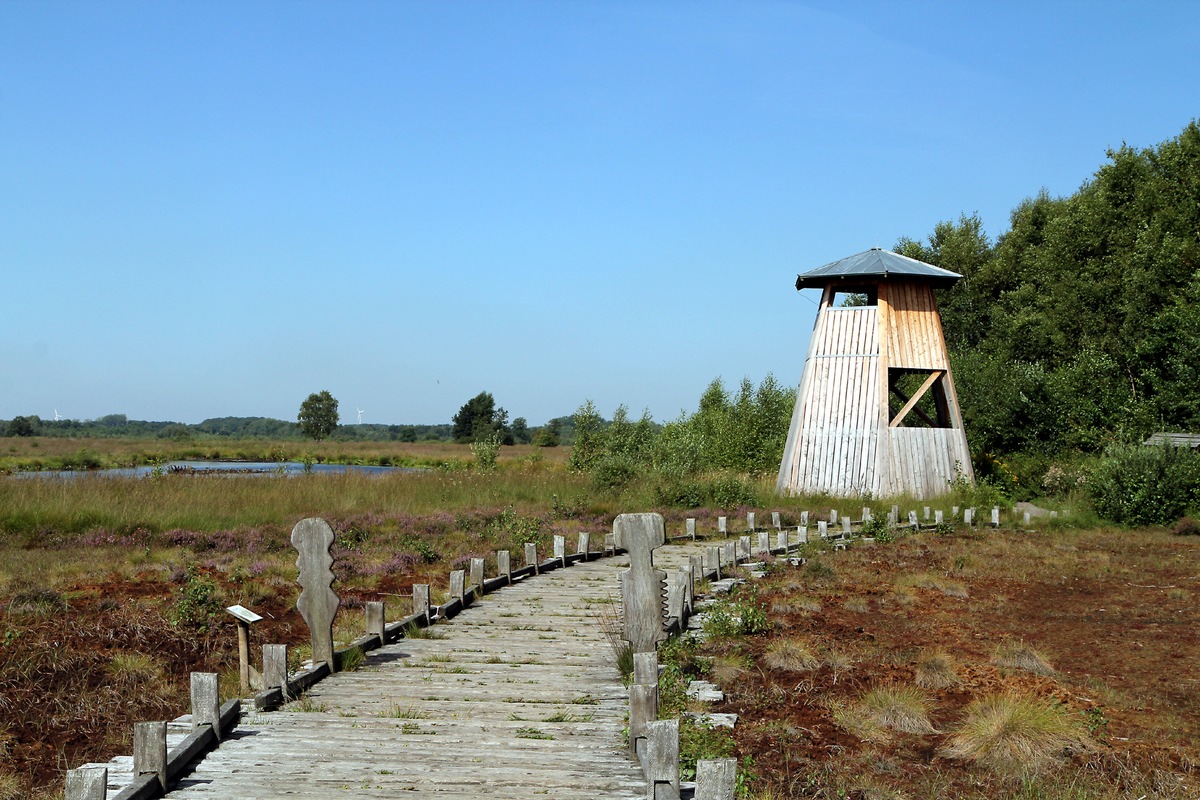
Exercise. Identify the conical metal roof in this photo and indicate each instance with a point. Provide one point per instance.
(876, 264)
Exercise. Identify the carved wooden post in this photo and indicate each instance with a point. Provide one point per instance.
(688, 581)
(458, 591)
(375, 615)
(642, 584)
(275, 669)
(421, 600)
(86, 783)
(585, 543)
(716, 778)
(691, 528)
(317, 603)
(675, 598)
(645, 668)
(504, 565)
(477, 574)
(531, 556)
(660, 761)
(206, 702)
(560, 550)
(150, 751)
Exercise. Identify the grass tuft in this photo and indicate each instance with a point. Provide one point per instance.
(936, 670)
(1014, 735)
(1013, 654)
(790, 655)
(899, 708)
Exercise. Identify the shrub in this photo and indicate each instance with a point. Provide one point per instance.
(198, 602)
(1145, 485)
(1014, 734)
(1186, 527)
(729, 491)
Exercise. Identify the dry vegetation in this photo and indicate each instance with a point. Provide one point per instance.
(1059, 664)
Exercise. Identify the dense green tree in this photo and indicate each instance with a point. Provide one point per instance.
(479, 419)
(550, 434)
(520, 431)
(23, 426)
(318, 416)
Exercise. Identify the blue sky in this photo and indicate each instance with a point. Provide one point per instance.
(215, 208)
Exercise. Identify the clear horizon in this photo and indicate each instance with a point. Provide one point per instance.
(216, 209)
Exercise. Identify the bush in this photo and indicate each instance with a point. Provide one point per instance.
(1146, 485)
(729, 491)
(1186, 527)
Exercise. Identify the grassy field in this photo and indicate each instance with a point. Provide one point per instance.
(112, 590)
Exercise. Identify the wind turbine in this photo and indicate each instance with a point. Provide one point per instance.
(56, 416)
(360, 412)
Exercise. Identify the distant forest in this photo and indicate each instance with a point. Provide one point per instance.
(118, 425)
(1080, 326)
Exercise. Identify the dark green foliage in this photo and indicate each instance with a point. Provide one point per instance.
(1080, 326)
(479, 419)
(1146, 485)
(318, 415)
(197, 603)
(23, 426)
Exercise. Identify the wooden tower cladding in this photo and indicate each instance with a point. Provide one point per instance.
(876, 411)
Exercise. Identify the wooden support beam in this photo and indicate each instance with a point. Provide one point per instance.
(912, 401)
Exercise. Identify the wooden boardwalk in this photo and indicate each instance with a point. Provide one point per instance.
(517, 697)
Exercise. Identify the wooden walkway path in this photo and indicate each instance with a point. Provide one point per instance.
(517, 697)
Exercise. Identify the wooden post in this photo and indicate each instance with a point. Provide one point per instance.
(938, 517)
(585, 544)
(458, 591)
(504, 565)
(477, 574)
(421, 600)
(643, 708)
(150, 751)
(804, 518)
(1026, 517)
(721, 526)
(206, 701)
(833, 516)
(690, 527)
(731, 554)
(716, 778)
(745, 550)
(927, 513)
(751, 519)
(912, 520)
(846, 525)
(645, 668)
(610, 544)
(969, 517)
(802, 534)
(697, 565)
(776, 521)
(560, 549)
(866, 517)
(243, 629)
(822, 529)
(317, 603)
(641, 584)
(275, 668)
(781, 541)
(531, 559)
(689, 590)
(995, 516)
(714, 561)
(764, 542)
(86, 783)
(895, 512)
(660, 762)
(375, 615)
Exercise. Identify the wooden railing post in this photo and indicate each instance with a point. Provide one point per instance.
(531, 559)
(660, 760)
(458, 579)
(691, 528)
(716, 778)
(560, 549)
(86, 783)
(150, 751)
(421, 601)
(275, 668)
(781, 541)
(714, 561)
(317, 603)
(776, 521)
(206, 701)
(764, 542)
(722, 526)
(751, 520)
(804, 518)
(375, 619)
(585, 542)
(504, 565)
(477, 574)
